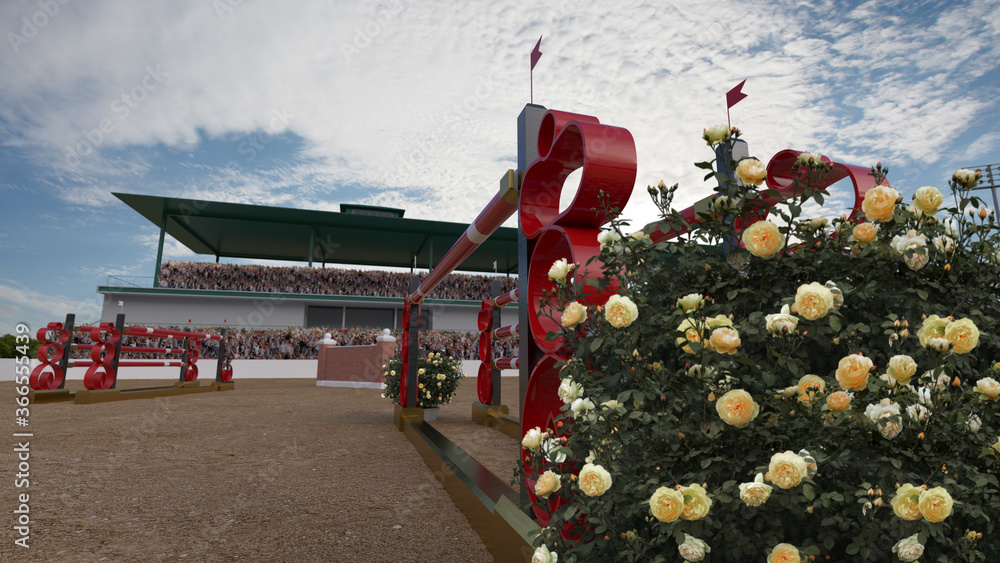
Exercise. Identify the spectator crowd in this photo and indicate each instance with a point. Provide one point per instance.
(318, 281)
(301, 343)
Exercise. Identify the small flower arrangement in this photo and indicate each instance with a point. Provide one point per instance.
(438, 377)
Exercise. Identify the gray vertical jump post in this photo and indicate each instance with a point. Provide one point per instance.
(120, 327)
(413, 353)
(221, 355)
(64, 363)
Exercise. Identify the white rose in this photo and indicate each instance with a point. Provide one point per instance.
(908, 549)
(924, 396)
(570, 391)
(917, 412)
(543, 555)
(693, 549)
(532, 438)
(581, 406)
(911, 241)
(950, 226)
(781, 323)
(609, 237)
(885, 410)
(551, 448)
(560, 268)
(974, 423)
(810, 159)
(724, 204)
(944, 243)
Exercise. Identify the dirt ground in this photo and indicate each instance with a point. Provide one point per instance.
(275, 470)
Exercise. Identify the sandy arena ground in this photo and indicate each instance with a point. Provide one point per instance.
(276, 470)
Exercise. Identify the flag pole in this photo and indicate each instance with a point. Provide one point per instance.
(535, 55)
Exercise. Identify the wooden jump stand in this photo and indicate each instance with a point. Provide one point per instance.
(54, 382)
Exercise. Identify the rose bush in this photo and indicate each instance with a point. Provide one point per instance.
(859, 423)
(438, 377)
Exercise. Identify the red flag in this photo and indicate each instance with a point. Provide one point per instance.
(733, 96)
(536, 54)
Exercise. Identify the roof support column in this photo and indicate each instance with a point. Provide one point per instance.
(159, 248)
(312, 241)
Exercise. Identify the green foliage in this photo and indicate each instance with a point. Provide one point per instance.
(665, 430)
(11, 348)
(438, 377)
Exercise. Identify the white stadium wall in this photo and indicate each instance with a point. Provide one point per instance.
(167, 307)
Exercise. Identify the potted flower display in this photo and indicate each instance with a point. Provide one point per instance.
(782, 389)
(438, 377)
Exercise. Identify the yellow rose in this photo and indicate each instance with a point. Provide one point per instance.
(787, 469)
(988, 388)
(927, 199)
(751, 171)
(724, 340)
(574, 314)
(543, 555)
(838, 401)
(620, 311)
(965, 177)
(852, 372)
(963, 335)
(696, 502)
(935, 504)
(809, 385)
(756, 493)
(737, 408)
(901, 368)
(666, 504)
(594, 480)
(691, 334)
(865, 232)
(785, 553)
(996, 446)
(763, 239)
(548, 483)
(533, 438)
(559, 269)
(932, 327)
(690, 302)
(905, 503)
(716, 134)
(718, 320)
(812, 301)
(879, 203)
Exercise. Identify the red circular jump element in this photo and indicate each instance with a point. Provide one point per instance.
(43, 334)
(191, 373)
(541, 407)
(42, 379)
(194, 344)
(607, 155)
(553, 123)
(484, 383)
(577, 246)
(485, 318)
(57, 353)
(227, 375)
(192, 356)
(485, 347)
(98, 377)
(105, 335)
(103, 352)
(779, 178)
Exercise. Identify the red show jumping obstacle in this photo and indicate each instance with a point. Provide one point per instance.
(105, 354)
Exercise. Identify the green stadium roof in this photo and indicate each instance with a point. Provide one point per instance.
(236, 230)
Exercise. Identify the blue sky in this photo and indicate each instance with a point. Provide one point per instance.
(413, 104)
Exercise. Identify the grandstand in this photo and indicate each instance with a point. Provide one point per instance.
(265, 297)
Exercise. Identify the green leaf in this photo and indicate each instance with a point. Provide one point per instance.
(808, 492)
(835, 323)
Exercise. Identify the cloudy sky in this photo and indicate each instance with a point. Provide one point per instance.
(413, 104)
